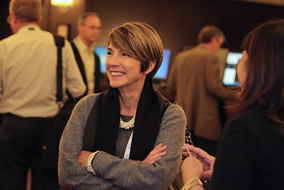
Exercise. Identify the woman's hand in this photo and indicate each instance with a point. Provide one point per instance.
(158, 152)
(83, 157)
(191, 168)
(206, 159)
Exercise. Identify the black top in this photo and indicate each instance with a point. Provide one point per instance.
(250, 155)
(123, 137)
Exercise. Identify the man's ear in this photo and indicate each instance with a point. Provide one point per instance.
(13, 17)
(40, 19)
(213, 40)
(79, 27)
(152, 65)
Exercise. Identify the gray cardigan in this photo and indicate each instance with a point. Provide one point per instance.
(111, 171)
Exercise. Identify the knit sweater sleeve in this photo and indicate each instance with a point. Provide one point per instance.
(70, 172)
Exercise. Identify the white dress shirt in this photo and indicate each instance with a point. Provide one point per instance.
(28, 61)
(88, 58)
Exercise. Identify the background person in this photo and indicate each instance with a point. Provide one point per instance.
(250, 154)
(89, 25)
(106, 129)
(195, 80)
(88, 61)
(27, 95)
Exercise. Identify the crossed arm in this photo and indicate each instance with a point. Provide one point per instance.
(157, 171)
(158, 152)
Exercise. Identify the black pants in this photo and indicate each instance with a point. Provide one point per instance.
(20, 149)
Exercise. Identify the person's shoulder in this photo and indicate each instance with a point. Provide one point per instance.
(44, 33)
(49, 35)
(204, 52)
(183, 56)
(200, 52)
(253, 123)
(160, 97)
(175, 110)
(87, 102)
(174, 107)
(174, 114)
(8, 39)
(91, 98)
(254, 117)
(171, 106)
(187, 52)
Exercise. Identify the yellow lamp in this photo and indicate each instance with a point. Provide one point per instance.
(63, 4)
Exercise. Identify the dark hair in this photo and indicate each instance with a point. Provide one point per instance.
(208, 32)
(263, 87)
(140, 41)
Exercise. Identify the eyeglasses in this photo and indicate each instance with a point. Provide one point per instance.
(8, 19)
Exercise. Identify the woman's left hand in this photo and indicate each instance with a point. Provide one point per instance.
(83, 157)
(191, 168)
(158, 152)
(206, 159)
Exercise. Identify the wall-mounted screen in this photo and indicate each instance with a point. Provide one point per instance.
(101, 51)
(163, 70)
(230, 73)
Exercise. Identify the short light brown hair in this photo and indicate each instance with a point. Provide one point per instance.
(208, 32)
(82, 18)
(140, 41)
(26, 10)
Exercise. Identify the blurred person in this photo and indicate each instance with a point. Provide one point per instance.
(88, 61)
(195, 81)
(128, 137)
(89, 25)
(250, 154)
(28, 61)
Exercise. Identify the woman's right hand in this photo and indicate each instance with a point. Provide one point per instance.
(206, 159)
(158, 152)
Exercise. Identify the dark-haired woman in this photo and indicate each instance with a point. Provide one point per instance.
(129, 137)
(251, 151)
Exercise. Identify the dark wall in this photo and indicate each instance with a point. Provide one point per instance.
(238, 18)
(178, 22)
(51, 17)
(5, 30)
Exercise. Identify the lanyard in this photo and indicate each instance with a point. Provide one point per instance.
(128, 146)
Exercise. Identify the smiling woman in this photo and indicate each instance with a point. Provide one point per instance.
(129, 137)
(124, 71)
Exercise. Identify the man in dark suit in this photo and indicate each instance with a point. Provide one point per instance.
(195, 80)
(89, 25)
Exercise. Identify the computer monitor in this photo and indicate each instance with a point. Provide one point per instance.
(230, 72)
(101, 51)
(162, 73)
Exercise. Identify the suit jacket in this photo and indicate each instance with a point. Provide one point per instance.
(82, 68)
(195, 80)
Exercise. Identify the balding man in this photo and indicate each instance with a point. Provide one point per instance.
(89, 25)
(28, 61)
(195, 80)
